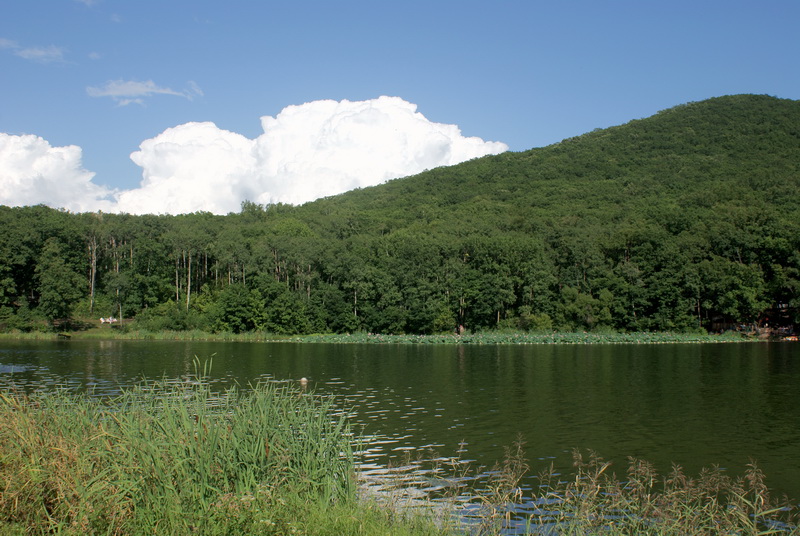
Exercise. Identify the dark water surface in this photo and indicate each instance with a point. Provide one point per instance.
(692, 404)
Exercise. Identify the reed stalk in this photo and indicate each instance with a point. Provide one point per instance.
(596, 501)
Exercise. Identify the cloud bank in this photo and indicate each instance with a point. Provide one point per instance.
(308, 151)
(32, 172)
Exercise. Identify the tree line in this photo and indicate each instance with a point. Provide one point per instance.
(686, 220)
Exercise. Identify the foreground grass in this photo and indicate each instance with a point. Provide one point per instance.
(489, 337)
(176, 458)
(179, 459)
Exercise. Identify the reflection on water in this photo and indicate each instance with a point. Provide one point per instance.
(418, 406)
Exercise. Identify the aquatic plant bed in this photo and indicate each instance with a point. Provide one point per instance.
(525, 338)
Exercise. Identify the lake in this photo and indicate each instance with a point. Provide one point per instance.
(691, 404)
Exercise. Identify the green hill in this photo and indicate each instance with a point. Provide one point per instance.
(687, 219)
(697, 155)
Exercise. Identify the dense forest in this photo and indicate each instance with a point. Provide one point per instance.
(685, 220)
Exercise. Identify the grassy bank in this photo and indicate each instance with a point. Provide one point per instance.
(489, 337)
(177, 458)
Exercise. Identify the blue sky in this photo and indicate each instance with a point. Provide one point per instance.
(107, 75)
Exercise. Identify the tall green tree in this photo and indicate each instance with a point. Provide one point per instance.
(60, 285)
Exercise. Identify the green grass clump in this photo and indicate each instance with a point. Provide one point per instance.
(166, 458)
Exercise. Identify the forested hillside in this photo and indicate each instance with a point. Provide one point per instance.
(681, 221)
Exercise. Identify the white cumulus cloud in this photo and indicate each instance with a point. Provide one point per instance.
(192, 167)
(327, 147)
(307, 151)
(33, 172)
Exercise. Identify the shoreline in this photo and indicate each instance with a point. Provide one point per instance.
(480, 338)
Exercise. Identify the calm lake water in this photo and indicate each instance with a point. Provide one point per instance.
(695, 405)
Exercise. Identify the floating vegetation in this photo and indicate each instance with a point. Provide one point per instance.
(525, 338)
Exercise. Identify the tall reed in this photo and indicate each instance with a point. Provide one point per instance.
(169, 458)
(596, 501)
(593, 500)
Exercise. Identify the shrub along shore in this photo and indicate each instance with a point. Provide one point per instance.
(178, 458)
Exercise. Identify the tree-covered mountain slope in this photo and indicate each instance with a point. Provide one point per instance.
(743, 148)
(684, 220)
